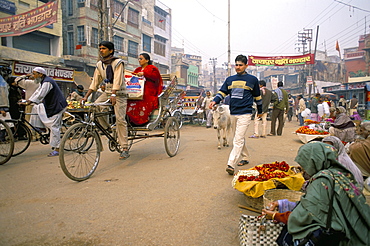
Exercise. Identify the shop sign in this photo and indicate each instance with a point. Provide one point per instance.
(61, 74)
(309, 80)
(7, 7)
(30, 21)
(356, 86)
(281, 60)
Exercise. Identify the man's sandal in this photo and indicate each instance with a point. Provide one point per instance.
(253, 136)
(230, 170)
(243, 162)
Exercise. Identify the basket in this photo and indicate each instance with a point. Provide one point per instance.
(256, 203)
(279, 194)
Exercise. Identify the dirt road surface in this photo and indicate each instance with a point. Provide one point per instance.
(148, 199)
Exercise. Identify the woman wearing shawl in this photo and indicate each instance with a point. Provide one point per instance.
(343, 127)
(344, 159)
(359, 151)
(350, 211)
(140, 110)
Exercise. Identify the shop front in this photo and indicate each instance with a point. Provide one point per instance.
(64, 77)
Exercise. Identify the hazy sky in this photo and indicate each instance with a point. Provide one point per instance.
(265, 27)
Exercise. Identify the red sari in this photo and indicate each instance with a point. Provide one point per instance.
(139, 111)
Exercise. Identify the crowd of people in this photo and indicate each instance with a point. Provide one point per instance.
(336, 173)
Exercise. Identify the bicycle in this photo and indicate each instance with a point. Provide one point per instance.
(6, 142)
(80, 147)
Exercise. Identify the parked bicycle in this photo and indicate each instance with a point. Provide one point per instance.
(6, 142)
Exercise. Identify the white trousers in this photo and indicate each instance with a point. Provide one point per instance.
(239, 143)
(54, 123)
(257, 122)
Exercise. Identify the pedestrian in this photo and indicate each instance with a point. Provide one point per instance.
(267, 98)
(110, 70)
(77, 94)
(14, 96)
(313, 107)
(50, 105)
(139, 111)
(353, 104)
(291, 106)
(280, 107)
(301, 108)
(208, 112)
(243, 89)
(342, 102)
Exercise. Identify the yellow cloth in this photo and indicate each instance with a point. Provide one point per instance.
(257, 188)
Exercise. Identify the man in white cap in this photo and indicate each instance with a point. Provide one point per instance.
(50, 105)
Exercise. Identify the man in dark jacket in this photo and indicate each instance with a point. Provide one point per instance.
(280, 107)
(50, 106)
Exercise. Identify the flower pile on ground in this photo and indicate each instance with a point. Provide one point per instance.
(310, 131)
(309, 122)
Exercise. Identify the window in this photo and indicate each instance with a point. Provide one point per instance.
(132, 49)
(160, 17)
(159, 45)
(94, 37)
(118, 41)
(69, 7)
(81, 34)
(116, 10)
(70, 43)
(81, 3)
(133, 18)
(147, 43)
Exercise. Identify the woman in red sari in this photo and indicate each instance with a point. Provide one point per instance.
(139, 111)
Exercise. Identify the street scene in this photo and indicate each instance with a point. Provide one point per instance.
(149, 199)
(161, 122)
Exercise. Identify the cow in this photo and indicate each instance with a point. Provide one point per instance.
(222, 123)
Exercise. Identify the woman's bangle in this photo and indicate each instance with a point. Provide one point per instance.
(273, 216)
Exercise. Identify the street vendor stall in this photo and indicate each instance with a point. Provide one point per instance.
(313, 130)
(255, 181)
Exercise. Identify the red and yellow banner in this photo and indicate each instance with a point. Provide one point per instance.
(32, 20)
(281, 60)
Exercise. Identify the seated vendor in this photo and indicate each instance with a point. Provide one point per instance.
(139, 111)
(343, 127)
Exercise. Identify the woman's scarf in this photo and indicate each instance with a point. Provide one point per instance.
(350, 211)
(342, 120)
(344, 159)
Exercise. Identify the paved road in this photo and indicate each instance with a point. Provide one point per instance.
(149, 199)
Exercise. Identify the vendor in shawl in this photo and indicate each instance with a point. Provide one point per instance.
(359, 151)
(350, 211)
(343, 127)
(78, 94)
(344, 159)
(139, 111)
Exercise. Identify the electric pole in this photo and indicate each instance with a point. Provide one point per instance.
(213, 62)
(228, 48)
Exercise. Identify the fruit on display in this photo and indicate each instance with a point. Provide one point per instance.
(76, 105)
(309, 131)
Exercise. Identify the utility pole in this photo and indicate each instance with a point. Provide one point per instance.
(303, 38)
(103, 20)
(213, 62)
(228, 48)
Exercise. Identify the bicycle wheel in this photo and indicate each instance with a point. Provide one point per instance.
(79, 152)
(178, 116)
(22, 138)
(171, 136)
(6, 142)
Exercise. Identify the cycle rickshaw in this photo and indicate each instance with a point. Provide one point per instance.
(80, 147)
